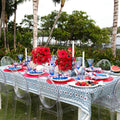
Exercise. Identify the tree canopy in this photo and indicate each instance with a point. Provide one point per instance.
(75, 26)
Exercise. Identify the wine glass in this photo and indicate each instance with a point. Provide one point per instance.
(78, 64)
(29, 58)
(79, 59)
(20, 56)
(90, 62)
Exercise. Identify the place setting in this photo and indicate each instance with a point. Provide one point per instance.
(59, 77)
(92, 68)
(35, 73)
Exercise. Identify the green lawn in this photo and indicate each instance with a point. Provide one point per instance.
(21, 114)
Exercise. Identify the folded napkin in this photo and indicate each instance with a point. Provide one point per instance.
(95, 69)
(62, 83)
(39, 67)
(35, 76)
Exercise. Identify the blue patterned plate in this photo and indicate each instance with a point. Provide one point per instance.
(34, 73)
(98, 76)
(60, 79)
(14, 68)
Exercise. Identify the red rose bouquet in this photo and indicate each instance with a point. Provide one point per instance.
(64, 59)
(41, 55)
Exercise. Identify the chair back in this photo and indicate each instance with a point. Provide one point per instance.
(104, 64)
(2, 77)
(6, 60)
(116, 92)
(2, 82)
(20, 84)
(52, 97)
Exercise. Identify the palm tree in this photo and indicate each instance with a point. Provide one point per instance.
(62, 5)
(115, 23)
(35, 10)
(2, 21)
(16, 2)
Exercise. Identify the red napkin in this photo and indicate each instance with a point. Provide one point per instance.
(64, 82)
(36, 76)
(20, 70)
(104, 80)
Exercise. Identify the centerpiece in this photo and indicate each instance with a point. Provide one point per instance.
(64, 59)
(41, 55)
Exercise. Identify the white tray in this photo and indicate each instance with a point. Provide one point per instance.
(74, 84)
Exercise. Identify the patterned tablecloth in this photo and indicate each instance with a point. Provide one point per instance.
(80, 97)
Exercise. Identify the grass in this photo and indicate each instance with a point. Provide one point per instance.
(21, 114)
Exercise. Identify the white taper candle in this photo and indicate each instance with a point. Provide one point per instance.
(25, 54)
(83, 62)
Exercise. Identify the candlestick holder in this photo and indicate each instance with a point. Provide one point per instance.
(73, 68)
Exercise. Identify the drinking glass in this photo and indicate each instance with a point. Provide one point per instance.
(90, 62)
(20, 56)
(52, 60)
(51, 71)
(29, 58)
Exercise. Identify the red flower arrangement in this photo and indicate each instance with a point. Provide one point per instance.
(41, 55)
(64, 59)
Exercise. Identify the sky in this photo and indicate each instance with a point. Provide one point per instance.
(101, 11)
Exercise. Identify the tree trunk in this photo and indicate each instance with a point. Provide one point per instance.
(62, 5)
(35, 10)
(0, 25)
(3, 21)
(7, 40)
(115, 23)
(15, 26)
(48, 40)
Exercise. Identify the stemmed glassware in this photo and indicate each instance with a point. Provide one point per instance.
(20, 56)
(78, 64)
(29, 58)
(90, 62)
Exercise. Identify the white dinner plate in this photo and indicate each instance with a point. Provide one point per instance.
(61, 79)
(34, 73)
(113, 73)
(92, 86)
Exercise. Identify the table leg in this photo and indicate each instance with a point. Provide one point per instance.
(118, 115)
(80, 117)
(79, 113)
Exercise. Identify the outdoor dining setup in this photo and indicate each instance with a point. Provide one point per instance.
(62, 77)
